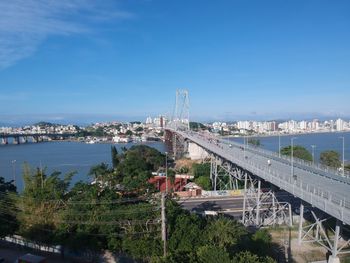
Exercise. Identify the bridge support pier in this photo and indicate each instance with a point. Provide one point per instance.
(178, 144)
(223, 175)
(317, 233)
(16, 140)
(4, 140)
(262, 208)
(301, 219)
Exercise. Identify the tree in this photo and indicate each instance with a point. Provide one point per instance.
(201, 173)
(135, 167)
(8, 209)
(201, 169)
(254, 142)
(224, 232)
(171, 175)
(248, 257)
(101, 174)
(115, 157)
(139, 129)
(196, 126)
(298, 152)
(330, 158)
(40, 203)
(261, 242)
(209, 254)
(129, 133)
(347, 167)
(204, 182)
(187, 235)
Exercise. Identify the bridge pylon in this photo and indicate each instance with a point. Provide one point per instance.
(180, 120)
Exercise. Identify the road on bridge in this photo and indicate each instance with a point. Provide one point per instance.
(326, 190)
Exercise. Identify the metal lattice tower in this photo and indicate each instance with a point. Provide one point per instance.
(181, 117)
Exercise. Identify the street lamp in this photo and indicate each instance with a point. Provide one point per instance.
(313, 153)
(279, 144)
(292, 153)
(244, 140)
(14, 171)
(343, 165)
(166, 173)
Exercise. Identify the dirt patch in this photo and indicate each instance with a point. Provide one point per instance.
(185, 163)
(293, 252)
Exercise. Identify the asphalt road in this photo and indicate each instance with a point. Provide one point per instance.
(231, 206)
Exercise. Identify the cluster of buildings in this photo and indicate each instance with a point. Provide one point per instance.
(270, 127)
(157, 122)
(119, 132)
(40, 129)
(152, 129)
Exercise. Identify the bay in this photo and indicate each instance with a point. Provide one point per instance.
(80, 157)
(61, 156)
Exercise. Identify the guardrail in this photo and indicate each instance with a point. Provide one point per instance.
(330, 202)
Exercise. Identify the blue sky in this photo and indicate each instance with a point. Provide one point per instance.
(85, 60)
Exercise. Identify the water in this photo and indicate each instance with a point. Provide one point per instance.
(75, 156)
(322, 141)
(58, 156)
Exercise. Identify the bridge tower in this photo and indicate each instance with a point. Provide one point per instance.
(181, 116)
(179, 121)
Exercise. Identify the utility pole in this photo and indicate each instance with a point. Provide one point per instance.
(279, 144)
(244, 141)
(343, 165)
(313, 154)
(164, 235)
(292, 153)
(166, 173)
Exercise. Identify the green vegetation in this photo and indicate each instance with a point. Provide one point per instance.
(198, 240)
(254, 142)
(115, 157)
(201, 173)
(201, 169)
(330, 158)
(44, 124)
(120, 212)
(196, 126)
(298, 152)
(8, 220)
(89, 131)
(128, 133)
(347, 167)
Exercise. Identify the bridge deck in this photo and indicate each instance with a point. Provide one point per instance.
(324, 190)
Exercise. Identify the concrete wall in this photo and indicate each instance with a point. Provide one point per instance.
(196, 152)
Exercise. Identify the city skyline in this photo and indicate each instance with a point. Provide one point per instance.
(87, 61)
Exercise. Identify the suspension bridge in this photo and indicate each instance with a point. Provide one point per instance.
(324, 189)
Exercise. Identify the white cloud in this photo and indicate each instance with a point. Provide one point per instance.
(24, 24)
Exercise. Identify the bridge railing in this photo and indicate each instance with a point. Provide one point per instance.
(317, 166)
(325, 198)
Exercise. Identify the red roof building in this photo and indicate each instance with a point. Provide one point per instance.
(160, 185)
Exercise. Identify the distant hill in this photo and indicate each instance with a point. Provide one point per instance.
(45, 124)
